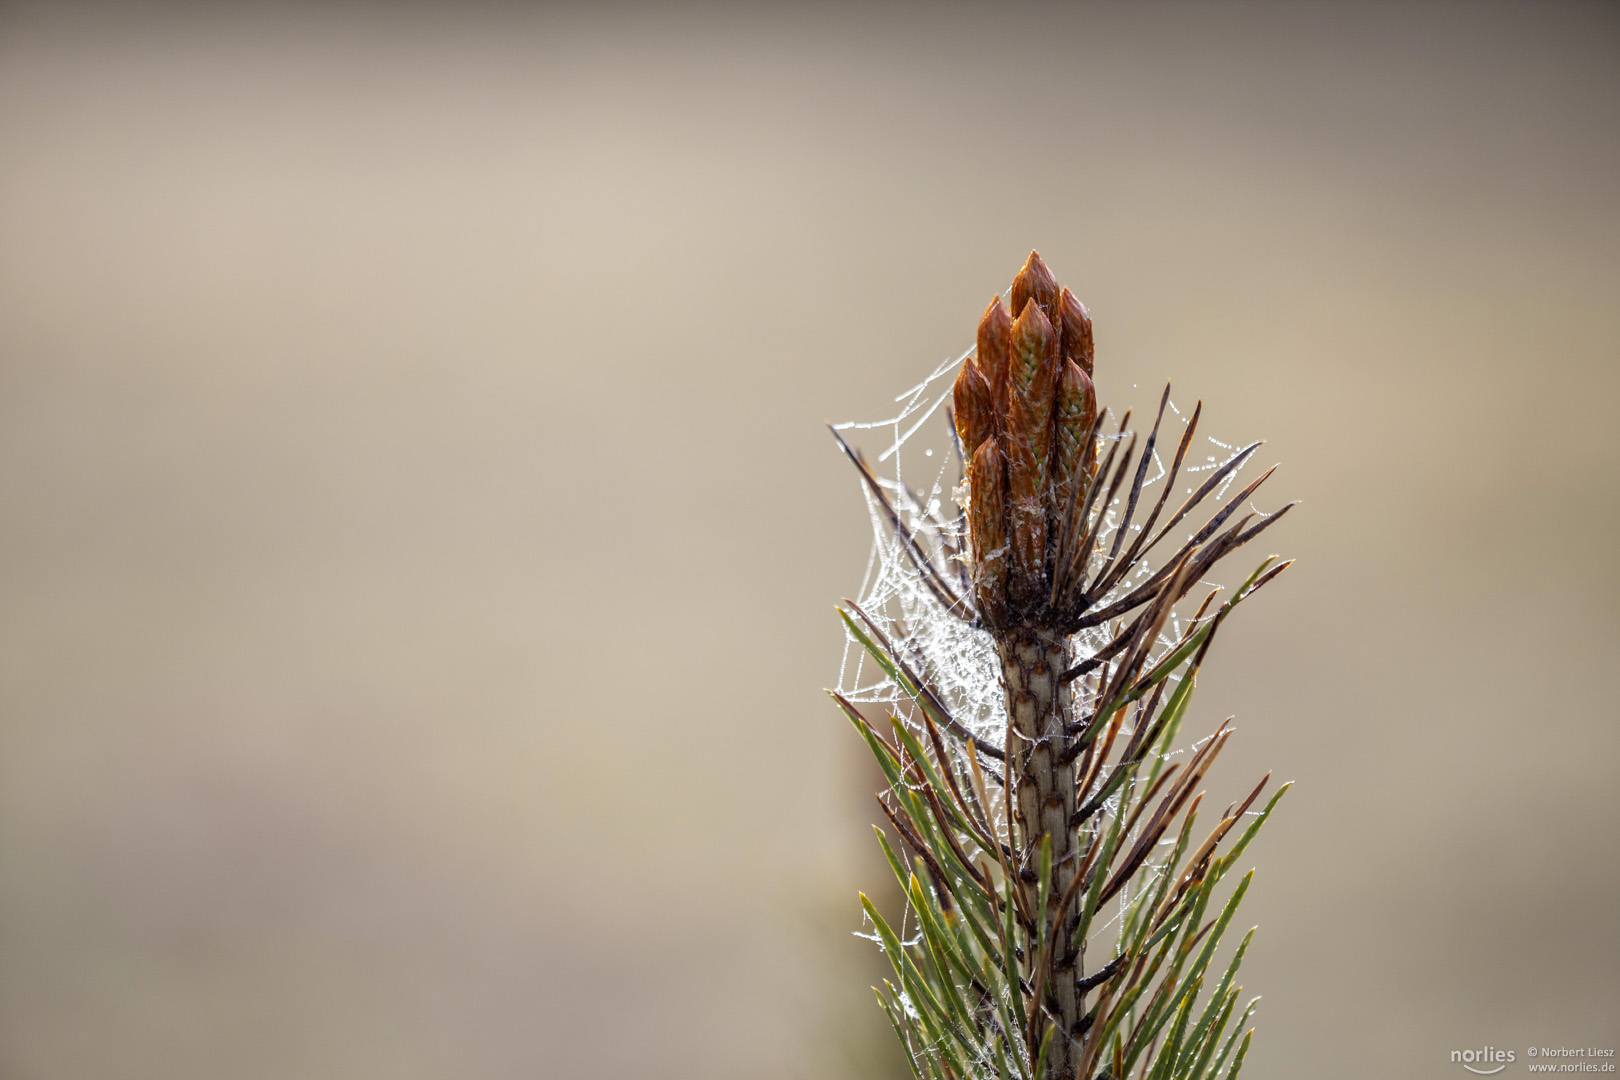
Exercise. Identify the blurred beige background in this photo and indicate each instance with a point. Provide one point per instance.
(419, 541)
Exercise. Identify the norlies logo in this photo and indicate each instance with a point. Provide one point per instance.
(1486, 1061)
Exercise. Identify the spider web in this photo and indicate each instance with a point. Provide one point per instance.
(920, 469)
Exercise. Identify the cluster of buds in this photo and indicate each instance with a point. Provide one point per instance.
(1026, 413)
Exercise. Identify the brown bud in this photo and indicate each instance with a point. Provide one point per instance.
(987, 530)
(1035, 282)
(1038, 369)
(975, 408)
(1076, 411)
(995, 343)
(1027, 428)
(1026, 522)
(1075, 323)
(1033, 344)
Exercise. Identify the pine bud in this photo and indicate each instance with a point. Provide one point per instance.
(1031, 385)
(1024, 409)
(1035, 282)
(1076, 411)
(1032, 346)
(1026, 517)
(975, 409)
(987, 529)
(1075, 323)
(995, 344)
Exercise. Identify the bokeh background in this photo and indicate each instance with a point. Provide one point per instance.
(419, 541)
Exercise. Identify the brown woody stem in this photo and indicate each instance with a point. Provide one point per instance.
(1039, 707)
